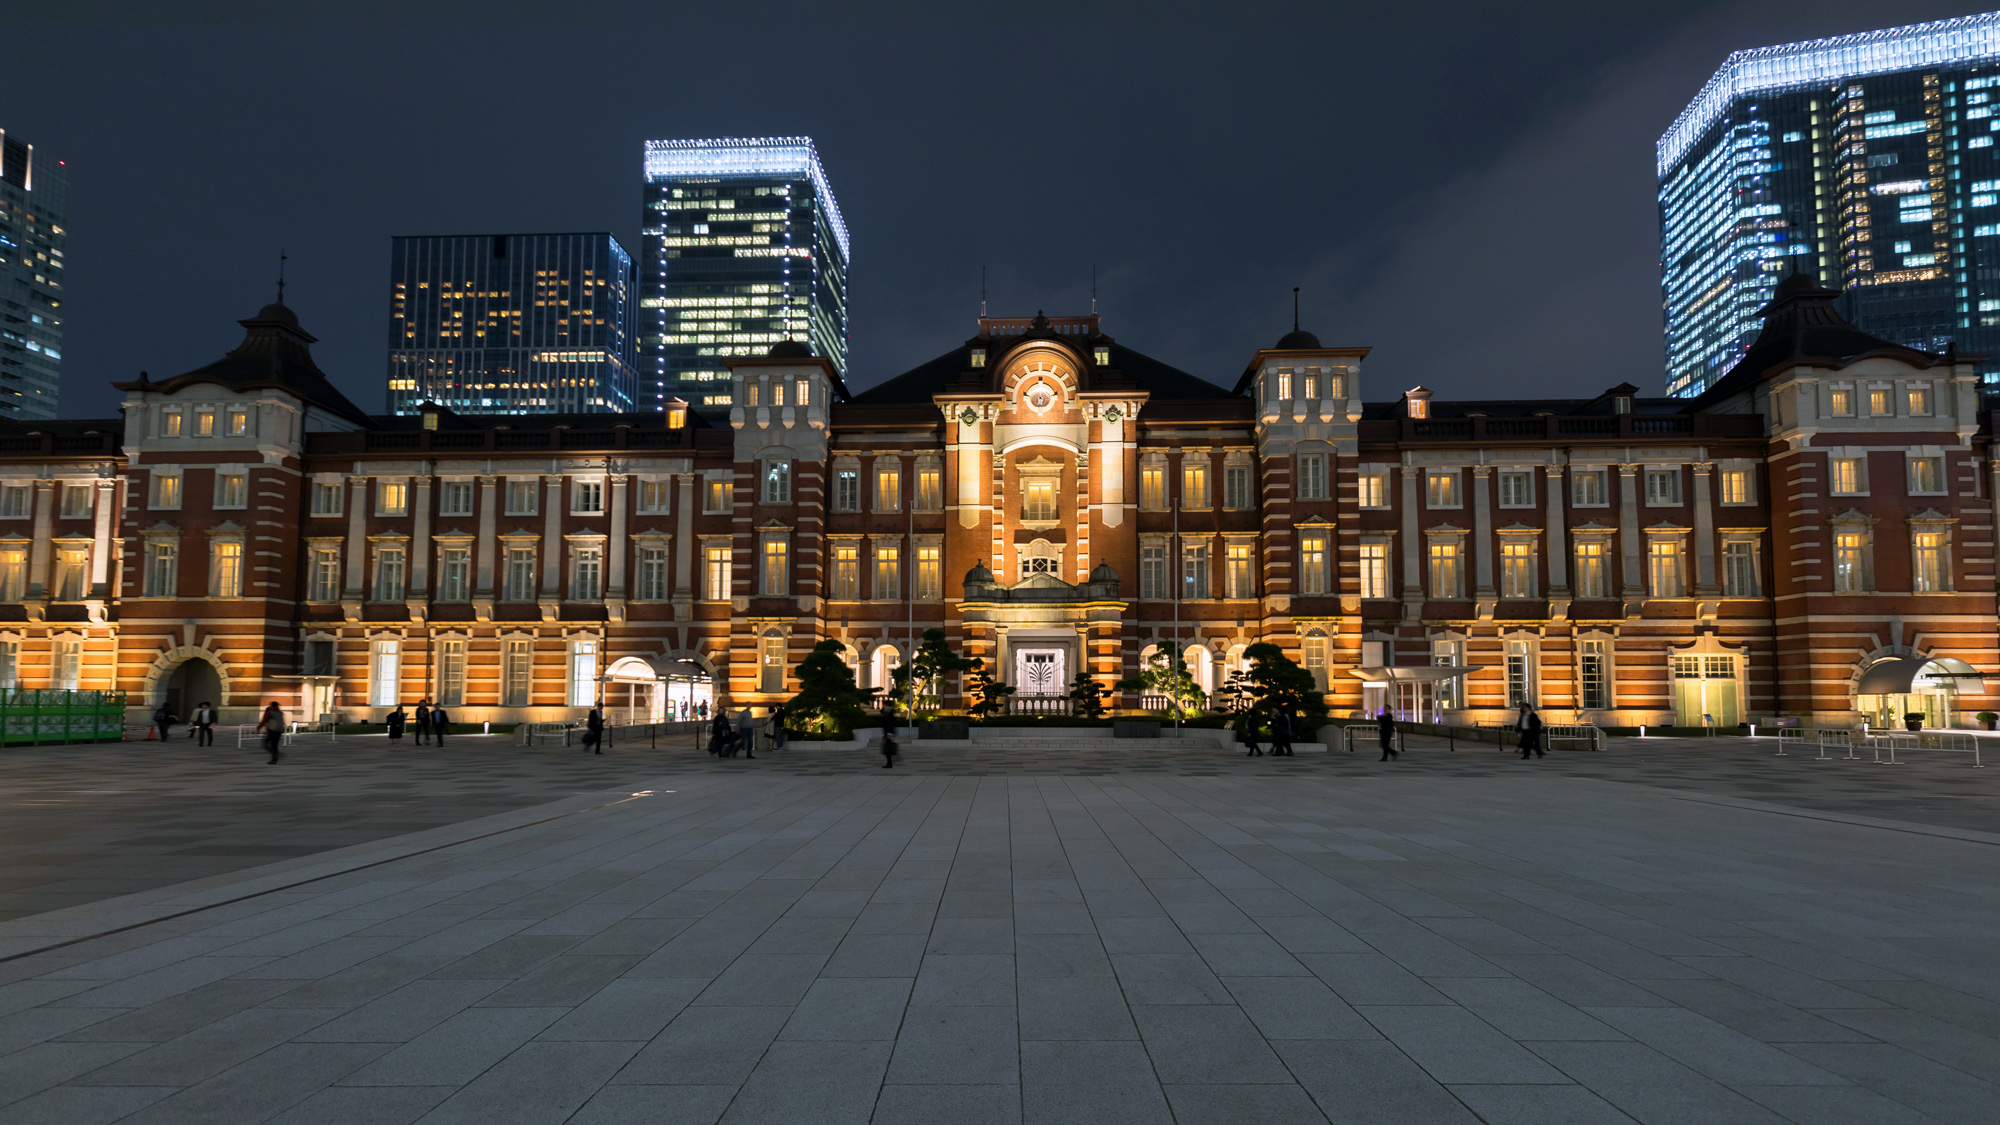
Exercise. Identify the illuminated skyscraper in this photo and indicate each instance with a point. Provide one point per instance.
(34, 193)
(1867, 160)
(742, 246)
(511, 323)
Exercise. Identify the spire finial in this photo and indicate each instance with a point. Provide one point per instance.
(982, 292)
(281, 275)
(1093, 288)
(1295, 308)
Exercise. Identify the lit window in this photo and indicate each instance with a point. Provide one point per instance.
(1840, 401)
(239, 423)
(392, 498)
(930, 573)
(385, 678)
(166, 490)
(13, 575)
(1920, 400)
(1736, 488)
(1194, 485)
(1441, 488)
(225, 570)
(1879, 404)
(1849, 476)
(1517, 570)
(716, 496)
(776, 558)
(1663, 561)
(1038, 500)
(888, 574)
(1375, 570)
(204, 423)
(1591, 570)
(1372, 490)
(1153, 487)
(715, 578)
(171, 423)
(586, 579)
(232, 490)
(1237, 576)
(930, 489)
(1313, 570)
(888, 487)
(1444, 569)
(1851, 562)
(582, 673)
(846, 572)
(1930, 571)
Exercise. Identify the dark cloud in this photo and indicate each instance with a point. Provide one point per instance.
(1468, 188)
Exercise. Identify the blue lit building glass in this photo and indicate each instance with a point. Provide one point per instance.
(34, 194)
(742, 246)
(1867, 160)
(511, 323)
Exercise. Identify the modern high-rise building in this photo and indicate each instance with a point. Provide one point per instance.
(742, 247)
(34, 193)
(511, 323)
(1867, 160)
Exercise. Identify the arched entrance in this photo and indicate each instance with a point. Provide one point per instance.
(656, 689)
(193, 682)
(1895, 688)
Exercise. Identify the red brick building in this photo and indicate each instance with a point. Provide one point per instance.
(1812, 537)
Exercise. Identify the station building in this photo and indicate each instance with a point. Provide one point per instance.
(1811, 537)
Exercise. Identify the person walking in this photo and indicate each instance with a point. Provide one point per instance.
(1531, 733)
(164, 720)
(593, 729)
(889, 750)
(395, 720)
(440, 723)
(1281, 732)
(746, 730)
(204, 725)
(423, 721)
(1385, 729)
(1249, 721)
(718, 735)
(273, 726)
(780, 739)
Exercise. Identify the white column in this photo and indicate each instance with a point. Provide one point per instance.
(38, 553)
(615, 564)
(420, 541)
(552, 540)
(357, 534)
(1482, 532)
(1631, 581)
(100, 548)
(1557, 536)
(489, 530)
(1704, 530)
(1413, 588)
(684, 563)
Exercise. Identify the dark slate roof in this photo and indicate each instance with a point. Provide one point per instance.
(1295, 341)
(1528, 407)
(1139, 370)
(452, 420)
(275, 352)
(1802, 324)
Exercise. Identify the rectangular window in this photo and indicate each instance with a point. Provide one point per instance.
(930, 489)
(930, 573)
(1375, 570)
(1312, 476)
(326, 498)
(385, 677)
(319, 658)
(716, 496)
(166, 490)
(1929, 572)
(1517, 570)
(1313, 658)
(847, 490)
(1152, 572)
(582, 673)
(1441, 488)
(162, 570)
(1919, 400)
(72, 563)
(1663, 487)
(325, 579)
(1850, 562)
(239, 423)
(10, 665)
(1284, 385)
(1237, 574)
(586, 574)
(1236, 487)
(777, 557)
(1153, 487)
(777, 482)
(1450, 692)
(586, 497)
(172, 423)
(888, 487)
(1194, 485)
(1313, 570)
(652, 574)
(14, 501)
(1194, 570)
(1038, 500)
(778, 392)
(1739, 568)
(392, 498)
(771, 663)
(520, 582)
(715, 579)
(67, 659)
(76, 500)
(232, 490)
(225, 569)
(1587, 488)
(654, 497)
(846, 585)
(1517, 489)
(1849, 476)
(1593, 673)
(455, 498)
(1663, 561)
(1372, 490)
(517, 674)
(1926, 476)
(1520, 674)
(1840, 402)
(455, 574)
(1444, 569)
(204, 423)
(521, 498)
(1311, 384)
(1592, 573)
(1737, 487)
(13, 575)
(888, 574)
(451, 673)
(388, 574)
(1879, 403)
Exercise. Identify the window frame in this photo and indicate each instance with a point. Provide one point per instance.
(1858, 486)
(1503, 477)
(1312, 476)
(1600, 476)
(1444, 556)
(1910, 471)
(776, 475)
(225, 568)
(1746, 475)
(166, 491)
(1660, 563)
(1375, 482)
(1372, 571)
(223, 502)
(1315, 556)
(1671, 475)
(163, 569)
(447, 490)
(1443, 491)
(325, 490)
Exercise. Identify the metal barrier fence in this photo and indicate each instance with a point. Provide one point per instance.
(1568, 734)
(1882, 745)
(38, 716)
(571, 732)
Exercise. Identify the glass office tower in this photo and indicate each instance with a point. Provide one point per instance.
(1867, 160)
(742, 246)
(511, 323)
(34, 192)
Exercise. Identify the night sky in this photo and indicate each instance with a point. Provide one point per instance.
(1466, 188)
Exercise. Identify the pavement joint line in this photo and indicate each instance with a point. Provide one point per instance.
(1960, 834)
(80, 938)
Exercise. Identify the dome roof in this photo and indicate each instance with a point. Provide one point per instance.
(1103, 573)
(979, 575)
(1296, 340)
(280, 313)
(789, 349)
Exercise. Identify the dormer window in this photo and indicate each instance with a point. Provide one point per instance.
(1102, 356)
(1621, 404)
(978, 357)
(171, 423)
(1417, 402)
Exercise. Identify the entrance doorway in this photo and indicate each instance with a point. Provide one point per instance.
(1039, 671)
(1705, 691)
(189, 685)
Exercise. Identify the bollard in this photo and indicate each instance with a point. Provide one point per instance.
(1642, 730)
(488, 727)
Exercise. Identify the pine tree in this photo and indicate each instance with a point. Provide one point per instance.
(1086, 697)
(827, 700)
(988, 695)
(1276, 682)
(1166, 674)
(920, 679)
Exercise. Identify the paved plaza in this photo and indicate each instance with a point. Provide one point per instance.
(1663, 932)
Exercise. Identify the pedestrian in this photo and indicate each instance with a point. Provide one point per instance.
(440, 723)
(423, 721)
(1281, 732)
(1531, 733)
(746, 731)
(702, 710)
(889, 750)
(780, 738)
(718, 735)
(204, 724)
(273, 725)
(593, 729)
(164, 720)
(1385, 728)
(395, 720)
(1249, 734)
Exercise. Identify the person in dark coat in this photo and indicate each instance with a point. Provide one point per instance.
(1249, 722)
(593, 730)
(889, 750)
(746, 732)
(204, 725)
(395, 721)
(1531, 733)
(780, 738)
(1281, 732)
(1385, 729)
(273, 726)
(718, 734)
(440, 723)
(423, 721)
(164, 720)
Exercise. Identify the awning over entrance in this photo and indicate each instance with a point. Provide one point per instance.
(1895, 675)
(645, 670)
(1414, 674)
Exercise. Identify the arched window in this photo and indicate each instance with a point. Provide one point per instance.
(882, 665)
(1201, 666)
